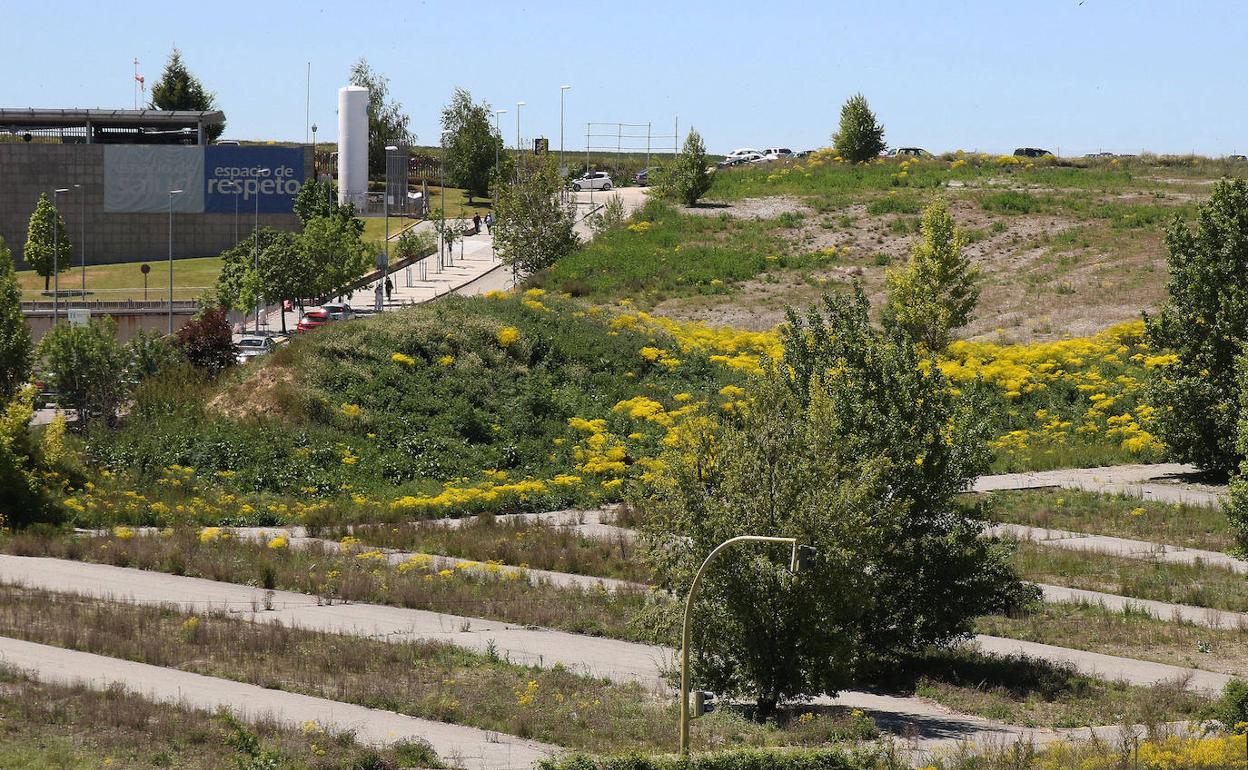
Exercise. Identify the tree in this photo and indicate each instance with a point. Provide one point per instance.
(850, 446)
(150, 353)
(317, 199)
(48, 249)
(387, 123)
(84, 363)
(936, 291)
(687, 179)
(207, 341)
(860, 138)
(334, 254)
(534, 228)
(1204, 324)
(15, 346)
(472, 145)
(23, 499)
(178, 89)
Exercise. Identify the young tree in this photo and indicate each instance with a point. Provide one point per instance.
(23, 499)
(534, 228)
(15, 346)
(471, 147)
(686, 179)
(860, 137)
(387, 123)
(1204, 322)
(936, 291)
(849, 446)
(178, 89)
(334, 254)
(47, 241)
(84, 363)
(317, 199)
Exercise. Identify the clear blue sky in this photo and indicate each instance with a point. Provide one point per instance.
(1119, 76)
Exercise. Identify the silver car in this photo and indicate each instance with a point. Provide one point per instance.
(250, 347)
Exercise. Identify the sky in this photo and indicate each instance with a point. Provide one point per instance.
(1068, 76)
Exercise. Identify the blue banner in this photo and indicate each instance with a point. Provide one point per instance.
(245, 176)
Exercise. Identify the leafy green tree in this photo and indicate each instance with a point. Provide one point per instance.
(23, 499)
(16, 350)
(334, 253)
(936, 291)
(534, 229)
(317, 199)
(83, 364)
(1204, 323)
(387, 123)
(48, 248)
(860, 137)
(471, 146)
(849, 446)
(415, 243)
(687, 179)
(178, 89)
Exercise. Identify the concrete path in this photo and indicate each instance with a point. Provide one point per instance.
(1142, 481)
(590, 522)
(1118, 546)
(1184, 613)
(460, 746)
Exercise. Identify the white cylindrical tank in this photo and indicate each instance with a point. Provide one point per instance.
(353, 146)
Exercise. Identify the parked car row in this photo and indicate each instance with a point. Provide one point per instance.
(744, 155)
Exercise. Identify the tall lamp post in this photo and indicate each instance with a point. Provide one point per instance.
(171, 194)
(314, 173)
(255, 240)
(442, 193)
(82, 235)
(56, 256)
(562, 90)
(385, 208)
(797, 562)
(518, 106)
(497, 176)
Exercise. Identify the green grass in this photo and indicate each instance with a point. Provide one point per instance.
(1190, 526)
(123, 281)
(666, 253)
(1197, 585)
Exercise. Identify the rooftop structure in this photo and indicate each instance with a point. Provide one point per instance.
(73, 126)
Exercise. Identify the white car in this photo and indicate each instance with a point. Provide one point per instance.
(737, 160)
(777, 153)
(250, 347)
(741, 152)
(594, 180)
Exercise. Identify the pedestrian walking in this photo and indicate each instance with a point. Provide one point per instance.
(377, 298)
(476, 224)
(489, 222)
(389, 288)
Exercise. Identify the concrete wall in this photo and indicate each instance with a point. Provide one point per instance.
(128, 322)
(27, 169)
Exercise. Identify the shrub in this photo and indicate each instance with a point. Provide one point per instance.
(1203, 325)
(85, 365)
(611, 215)
(860, 138)
(1232, 708)
(687, 179)
(22, 498)
(15, 345)
(150, 353)
(207, 341)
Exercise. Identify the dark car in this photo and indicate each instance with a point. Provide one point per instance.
(642, 177)
(313, 319)
(1031, 152)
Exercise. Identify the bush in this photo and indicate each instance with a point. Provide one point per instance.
(207, 341)
(15, 346)
(1232, 708)
(750, 759)
(85, 365)
(687, 179)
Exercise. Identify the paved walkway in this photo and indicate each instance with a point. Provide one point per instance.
(1118, 546)
(1142, 481)
(460, 746)
(589, 522)
(1185, 613)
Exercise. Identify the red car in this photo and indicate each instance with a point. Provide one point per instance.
(313, 319)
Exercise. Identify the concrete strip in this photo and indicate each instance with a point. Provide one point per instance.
(1118, 546)
(1139, 481)
(1184, 613)
(460, 746)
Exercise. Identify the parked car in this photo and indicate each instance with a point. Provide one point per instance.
(777, 153)
(737, 160)
(1239, 157)
(592, 180)
(45, 395)
(1031, 152)
(909, 152)
(643, 177)
(313, 319)
(339, 311)
(1099, 155)
(737, 153)
(251, 346)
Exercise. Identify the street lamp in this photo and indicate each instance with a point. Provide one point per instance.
(171, 194)
(442, 192)
(82, 235)
(518, 106)
(385, 208)
(562, 90)
(797, 562)
(497, 175)
(314, 176)
(255, 252)
(56, 256)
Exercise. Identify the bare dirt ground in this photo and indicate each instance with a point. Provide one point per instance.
(1045, 276)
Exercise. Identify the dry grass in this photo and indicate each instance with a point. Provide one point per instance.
(510, 541)
(1128, 635)
(431, 680)
(47, 727)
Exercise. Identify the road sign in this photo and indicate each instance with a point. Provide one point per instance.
(79, 316)
(541, 146)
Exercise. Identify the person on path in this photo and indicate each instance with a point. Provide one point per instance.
(476, 224)
(389, 288)
(377, 298)
(489, 222)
